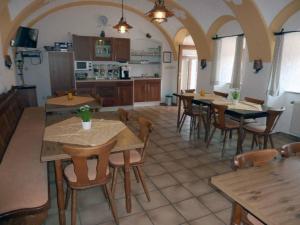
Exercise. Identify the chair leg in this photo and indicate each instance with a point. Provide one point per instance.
(67, 197)
(230, 134)
(253, 141)
(112, 204)
(141, 176)
(114, 181)
(182, 122)
(211, 136)
(224, 142)
(271, 141)
(74, 206)
(136, 174)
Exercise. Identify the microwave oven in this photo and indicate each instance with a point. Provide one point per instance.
(83, 65)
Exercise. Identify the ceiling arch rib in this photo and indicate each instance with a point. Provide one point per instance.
(284, 15)
(180, 35)
(259, 38)
(18, 22)
(217, 24)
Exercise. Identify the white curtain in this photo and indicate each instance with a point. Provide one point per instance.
(216, 63)
(238, 61)
(274, 82)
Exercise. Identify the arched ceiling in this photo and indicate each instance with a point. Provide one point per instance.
(200, 17)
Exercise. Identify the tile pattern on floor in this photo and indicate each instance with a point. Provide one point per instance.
(177, 170)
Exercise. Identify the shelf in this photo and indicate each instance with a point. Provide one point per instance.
(147, 63)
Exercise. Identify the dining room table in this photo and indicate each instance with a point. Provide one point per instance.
(241, 110)
(270, 192)
(69, 131)
(72, 103)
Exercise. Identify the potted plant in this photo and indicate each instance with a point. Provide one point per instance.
(235, 94)
(85, 115)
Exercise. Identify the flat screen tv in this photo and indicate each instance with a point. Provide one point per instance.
(26, 37)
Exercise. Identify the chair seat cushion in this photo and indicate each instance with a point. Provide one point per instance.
(231, 124)
(117, 159)
(91, 163)
(255, 127)
(253, 220)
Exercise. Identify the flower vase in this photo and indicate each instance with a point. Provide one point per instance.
(86, 125)
(235, 101)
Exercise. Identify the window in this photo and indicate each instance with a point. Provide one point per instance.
(290, 63)
(226, 60)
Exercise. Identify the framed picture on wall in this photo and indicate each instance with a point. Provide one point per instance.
(167, 57)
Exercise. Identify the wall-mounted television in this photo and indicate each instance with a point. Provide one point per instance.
(26, 37)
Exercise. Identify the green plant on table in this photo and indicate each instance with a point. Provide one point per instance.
(85, 113)
(235, 95)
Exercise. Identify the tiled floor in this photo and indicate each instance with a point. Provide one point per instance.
(177, 171)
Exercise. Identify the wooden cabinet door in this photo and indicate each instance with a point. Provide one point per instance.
(107, 91)
(125, 94)
(85, 88)
(140, 91)
(121, 49)
(153, 90)
(83, 48)
(105, 50)
(61, 67)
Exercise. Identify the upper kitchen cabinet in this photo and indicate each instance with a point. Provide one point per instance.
(121, 49)
(102, 50)
(83, 48)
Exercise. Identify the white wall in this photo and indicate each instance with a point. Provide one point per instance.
(7, 76)
(60, 25)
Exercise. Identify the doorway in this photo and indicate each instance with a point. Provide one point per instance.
(187, 68)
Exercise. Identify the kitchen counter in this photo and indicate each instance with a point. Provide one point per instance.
(119, 80)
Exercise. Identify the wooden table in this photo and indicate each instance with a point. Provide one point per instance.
(52, 105)
(270, 192)
(240, 114)
(126, 140)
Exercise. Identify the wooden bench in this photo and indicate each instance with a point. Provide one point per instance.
(24, 192)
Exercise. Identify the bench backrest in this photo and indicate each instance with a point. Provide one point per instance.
(11, 109)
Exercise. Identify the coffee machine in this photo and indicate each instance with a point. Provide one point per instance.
(124, 73)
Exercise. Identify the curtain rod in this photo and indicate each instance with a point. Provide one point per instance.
(219, 37)
(282, 32)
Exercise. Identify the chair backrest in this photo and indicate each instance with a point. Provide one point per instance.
(254, 100)
(189, 91)
(272, 118)
(80, 155)
(187, 104)
(144, 133)
(222, 94)
(123, 115)
(291, 148)
(254, 158)
(218, 112)
(98, 98)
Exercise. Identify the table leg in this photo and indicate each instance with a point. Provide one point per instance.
(236, 215)
(179, 111)
(266, 141)
(127, 184)
(60, 192)
(208, 123)
(239, 148)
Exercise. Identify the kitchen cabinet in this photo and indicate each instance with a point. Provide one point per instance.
(147, 90)
(113, 93)
(61, 68)
(121, 49)
(102, 52)
(83, 48)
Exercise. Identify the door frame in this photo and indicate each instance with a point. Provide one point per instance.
(181, 48)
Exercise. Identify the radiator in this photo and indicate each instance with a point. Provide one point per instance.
(295, 122)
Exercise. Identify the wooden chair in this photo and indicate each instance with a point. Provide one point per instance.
(254, 100)
(222, 94)
(137, 157)
(222, 123)
(189, 91)
(123, 115)
(264, 130)
(290, 149)
(249, 159)
(193, 112)
(85, 173)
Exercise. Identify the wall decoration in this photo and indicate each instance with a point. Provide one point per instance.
(257, 65)
(203, 64)
(167, 57)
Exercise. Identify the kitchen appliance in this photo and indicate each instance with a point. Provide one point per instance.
(83, 65)
(81, 75)
(124, 73)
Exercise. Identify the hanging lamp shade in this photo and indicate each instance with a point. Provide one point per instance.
(159, 13)
(122, 26)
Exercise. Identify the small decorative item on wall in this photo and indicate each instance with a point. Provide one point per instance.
(257, 65)
(203, 64)
(167, 57)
